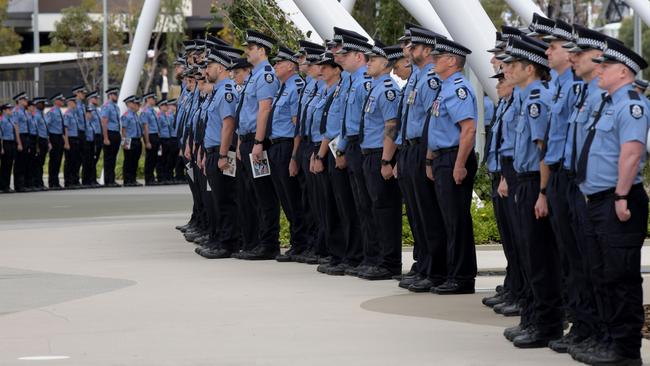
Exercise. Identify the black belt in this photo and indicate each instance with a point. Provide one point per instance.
(305, 139)
(528, 176)
(213, 150)
(439, 152)
(352, 139)
(55, 134)
(372, 151)
(247, 137)
(598, 196)
(414, 141)
(555, 167)
(279, 140)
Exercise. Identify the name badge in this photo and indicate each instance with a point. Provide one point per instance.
(369, 103)
(436, 108)
(411, 98)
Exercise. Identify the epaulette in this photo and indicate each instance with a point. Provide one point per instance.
(535, 94)
(545, 84)
(633, 95)
(431, 72)
(300, 82)
(268, 68)
(458, 80)
(366, 76)
(228, 87)
(388, 83)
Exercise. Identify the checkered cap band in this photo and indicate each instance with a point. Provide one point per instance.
(527, 55)
(286, 56)
(449, 49)
(258, 40)
(425, 40)
(613, 54)
(583, 42)
(355, 47)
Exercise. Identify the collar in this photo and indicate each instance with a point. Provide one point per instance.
(566, 75)
(535, 84)
(622, 93)
(260, 66)
(220, 83)
(360, 72)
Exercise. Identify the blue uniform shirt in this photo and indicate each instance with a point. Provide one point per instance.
(41, 127)
(286, 107)
(95, 120)
(111, 111)
(149, 117)
(422, 98)
(81, 115)
(307, 96)
(455, 103)
(165, 125)
(382, 105)
(54, 120)
(624, 119)
(20, 118)
(223, 105)
(133, 125)
(7, 129)
(71, 122)
(33, 127)
(509, 126)
(567, 89)
(534, 116)
(405, 93)
(492, 159)
(334, 115)
(579, 117)
(360, 84)
(330, 122)
(262, 85)
(488, 110)
(171, 117)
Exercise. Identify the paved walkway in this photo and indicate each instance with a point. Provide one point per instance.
(117, 285)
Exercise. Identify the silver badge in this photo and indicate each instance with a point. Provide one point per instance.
(462, 93)
(636, 111)
(433, 83)
(390, 95)
(229, 97)
(268, 78)
(367, 85)
(533, 110)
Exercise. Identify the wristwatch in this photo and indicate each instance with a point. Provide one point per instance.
(339, 153)
(317, 157)
(620, 197)
(428, 162)
(385, 162)
(542, 191)
(223, 156)
(257, 142)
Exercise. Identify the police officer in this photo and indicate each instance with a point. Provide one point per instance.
(112, 140)
(11, 144)
(86, 150)
(42, 144)
(219, 132)
(132, 132)
(255, 110)
(56, 129)
(172, 155)
(284, 146)
(162, 167)
(30, 184)
(89, 176)
(20, 118)
(96, 125)
(608, 172)
(542, 315)
(71, 144)
(148, 115)
(377, 133)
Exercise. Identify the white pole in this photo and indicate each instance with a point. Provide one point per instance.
(37, 46)
(423, 12)
(641, 7)
(139, 49)
(325, 14)
(348, 5)
(104, 49)
(298, 19)
(525, 9)
(474, 30)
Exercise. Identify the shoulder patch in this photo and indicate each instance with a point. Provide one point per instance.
(367, 85)
(433, 83)
(636, 111)
(390, 95)
(461, 93)
(533, 110)
(228, 97)
(268, 77)
(268, 68)
(633, 95)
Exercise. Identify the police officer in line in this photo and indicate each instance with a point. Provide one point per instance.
(11, 145)
(71, 144)
(163, 165)
(353, 60)
(21, 118)
(89, 176)
(41, 143)
(112, 139)
(255, 111)
(96, 125)
(148, 115)
(86, 151)
(176, 162)
(420, 92)
(542, 316)
(217, 142)
(377, 133)
(284, 146)
(133, 129)
(55, 127)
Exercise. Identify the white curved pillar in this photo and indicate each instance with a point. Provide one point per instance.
(348, 5)
(325, 14)
(424, 13)
(525, 9)
(139, 49)
(299, 20)
(641, 7)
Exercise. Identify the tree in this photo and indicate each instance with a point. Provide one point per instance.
(390, 21)
(10, 41)
(626, 35)
(495, 9)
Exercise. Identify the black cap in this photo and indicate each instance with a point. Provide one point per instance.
(424, 36)
(200, 44)
(540, 26)
(285, 54)
(113, 91)
(327, 58)
(641, 84)
(340, 32)
(255, 37)
(231, 52)
(171, 101)
(189, 45)
(525, 49)
(449, 46)
(239, 63)
(618, 52)
(58, 96)
(218, 57)
(351, 44)
(312, 54)
(39, 100)
(93, 94)
(149, 95)
(71, 98)
(211, 40)
(162, 102)
(5, 106)
(407, 32)
(79, 89)
(130, 99)
(562, 31)
(19, 96)
(307, 44)
(499, 44)
(377, 49)
(586, 39)
(394, 52)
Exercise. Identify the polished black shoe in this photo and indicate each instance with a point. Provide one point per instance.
(511, 310)
(514, 332)
(192, 235)
(562, 345)
(337, 270)
(606, 356)
(377, 274)
(201, 239)
(490, 301)
(498, 308)
(313, 258)
(215, 253)
(535, 339)
(323, 260)
(181, 227)
(260, 254)
(354, 271)
(424, 285)
(288, 255)
(322, 268)
(581, 350)
(451, 287)
(409, 280)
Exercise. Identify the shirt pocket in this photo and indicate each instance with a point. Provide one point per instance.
(606, 122)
